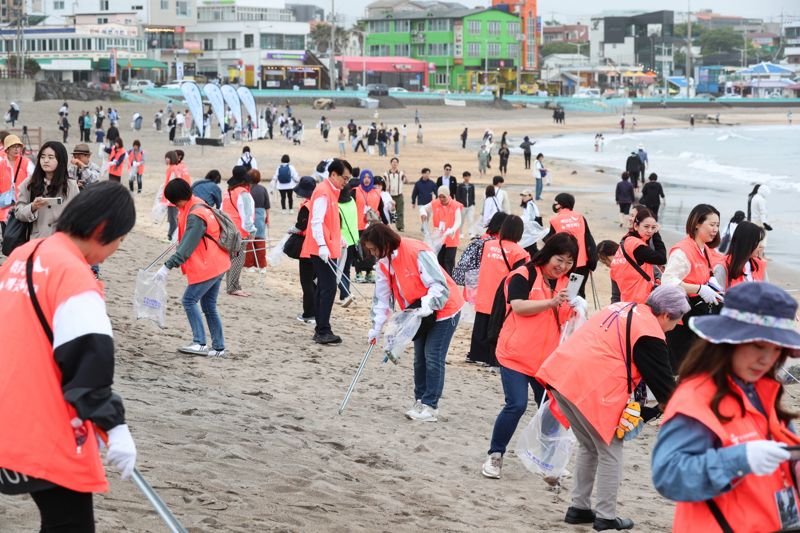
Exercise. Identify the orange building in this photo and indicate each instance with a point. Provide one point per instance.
(526, 10)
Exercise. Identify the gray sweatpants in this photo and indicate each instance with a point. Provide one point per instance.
(596, 460)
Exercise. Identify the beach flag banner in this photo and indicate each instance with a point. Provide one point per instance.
(214, 96)
(191, 94)
(246, 96)
(112, 64)
(232, 99)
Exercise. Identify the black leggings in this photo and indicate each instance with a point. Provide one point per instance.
(65, 511)
(286, 193)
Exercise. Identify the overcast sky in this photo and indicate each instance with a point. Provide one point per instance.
(571, 11)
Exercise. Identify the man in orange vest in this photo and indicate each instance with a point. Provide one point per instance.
(565, 219)
(446, 217)
(323, 243)
(592, 376)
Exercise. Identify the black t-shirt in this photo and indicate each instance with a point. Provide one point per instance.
(260, 196)
(519, 288)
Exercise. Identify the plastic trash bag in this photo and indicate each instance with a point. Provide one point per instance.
(399, 332)
(150, 297)
(576, 321)
(159, 211)
(471, 285)
(435, 239)
(275, 255)
(467, 315)
(545, 446)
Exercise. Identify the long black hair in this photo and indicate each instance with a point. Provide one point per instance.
(750, 198)
(58, 185)
(743, 243)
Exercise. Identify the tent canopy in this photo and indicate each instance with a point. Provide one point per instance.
(136, 64)
(767, 68)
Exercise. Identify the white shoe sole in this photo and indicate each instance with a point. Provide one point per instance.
(488, 475)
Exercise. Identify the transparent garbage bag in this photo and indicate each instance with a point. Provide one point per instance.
(399, 332)
(545, 446)
(159, 211)
(467, 315)
(150, 297)
(435, 239)
(276, 255)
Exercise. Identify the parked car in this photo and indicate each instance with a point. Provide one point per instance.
(397, 90)
(174, 84)
(587, 92)
(377, 89)
(137, 86)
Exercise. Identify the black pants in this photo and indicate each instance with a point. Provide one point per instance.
(583, 271)
(479, 349)
(308, 285)
(286, 195)
(503, 166)
(172, 220)
(65, 511)
(532, 249)
(679, 340)
(324, 295)
(362, 262)
(527, 160)
(344, 284)
(361, 144)
(463, 142)
(65, 131)
(447, 258)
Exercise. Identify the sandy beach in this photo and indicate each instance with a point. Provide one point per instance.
(253, 442)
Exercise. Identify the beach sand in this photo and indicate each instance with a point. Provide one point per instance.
(253, 442)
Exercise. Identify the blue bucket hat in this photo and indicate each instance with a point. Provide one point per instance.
(306, 187)
(752, 312)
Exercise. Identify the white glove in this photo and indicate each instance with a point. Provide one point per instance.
(441, 226)
(709, 295)
(373, 335)
(765, 456)
(425, 307)
(162, 273)
(714, 284)
(579, 304)
(324, 253)
(122, 450)
(450, 232)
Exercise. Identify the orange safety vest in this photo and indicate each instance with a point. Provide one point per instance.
(19, 172)
(230, 206)
(208, 260)
(180, 172)
(571, 222)
(406, 283)
(758, 271)
(633, 287)
(331, 224)
(39, 440)
(114, 170)
(137, 157)
(363, 199)
(5, 184)
(447, 214)
(750, 505)
(303, 203)
(493, 269)
(699, 260)
(589, 369)
(526, 341)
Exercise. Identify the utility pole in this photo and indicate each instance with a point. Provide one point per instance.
(745, 47)
(332, 47)
(689, 48)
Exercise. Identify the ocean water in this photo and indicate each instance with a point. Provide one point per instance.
(707, 165)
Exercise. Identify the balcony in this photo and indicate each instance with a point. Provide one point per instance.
(417, 37)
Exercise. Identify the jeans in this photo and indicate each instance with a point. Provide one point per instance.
(399, 206)
(138, 179)
(397, 147)
(324, 295)
(539, 188)
(172, 220)
(382, 148)
(261, 223)
(515, 388)
(430, 351)
(206, 293)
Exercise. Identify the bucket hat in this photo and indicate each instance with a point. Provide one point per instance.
(11, 140)
(306, 187)
(238, 176)
(81, 149)
(752, 312)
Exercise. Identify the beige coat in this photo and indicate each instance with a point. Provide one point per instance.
(44, 219)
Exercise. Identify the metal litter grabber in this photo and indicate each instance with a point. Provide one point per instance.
(162, 256)
(594, 292)
(357, 376)
(158, 504)
(339, 275)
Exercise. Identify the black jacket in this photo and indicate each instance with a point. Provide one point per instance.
(465, 194)
(453, 185)
(633, 165)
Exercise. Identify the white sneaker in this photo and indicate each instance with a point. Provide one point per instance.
(250, 269)
(262, 271)
(347, 301)
(194, 349)
(493, 465)
(217, 353)
(291, 211)
(426, 414)
(417, 407)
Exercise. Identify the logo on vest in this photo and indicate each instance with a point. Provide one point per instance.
(738, 439)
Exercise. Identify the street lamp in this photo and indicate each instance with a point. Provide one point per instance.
(332, 47)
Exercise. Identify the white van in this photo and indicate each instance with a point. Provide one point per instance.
(587, 92)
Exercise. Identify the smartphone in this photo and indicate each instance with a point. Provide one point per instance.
(794, 453)
(574, 285)
(57, 200)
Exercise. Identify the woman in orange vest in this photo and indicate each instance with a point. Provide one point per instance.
(537, 308)
(498, 259)
(136, 158)
(592, 376)
(744, 260)
(565, 219)
(446, 216)
(173, 172)
(369, 207)
(238, 204)
(116, 160)
(58, 364)
(632, 267)
(304, 190)
(203, 261)
(689, 266)
(409, 275)
(721, 450)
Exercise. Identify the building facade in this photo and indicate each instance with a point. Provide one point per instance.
(640, 39)
(567, 33)
(791, 39)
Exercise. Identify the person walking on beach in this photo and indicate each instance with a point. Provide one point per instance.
(532, 222)
(537, 306)
(789, 117)
(503, 153)
(691, 120)
(446, 215)
(464, 135)
(490, 206)
(591, 375)
(247, 160)
(644, 162)
(175, 170)
(395, 178)
(203, 261)
(757, 206)
(324, 242)
(396, 141)
(500, 195)
(256, 254)
(633, 166)
(483, 160)
(136, 159)
(526, 145)
(745, 258)
(447, 180)
(622, 124)
(349, 214)
(238, 204)
(624, 198)
(419, 134)
(207, 189)
(565, 219)
(58, 364)
(409, 277)
(285, 180)
(81, 167)
(652, 193)
(422, 194)
(539, 173)
(465, 194)
(727, 411)
(116, 160)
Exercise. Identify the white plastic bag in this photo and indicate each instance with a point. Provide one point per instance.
(576, 321)
(467, 315)
(399, 332)
(150, 297)
(159, 212)
(276, 254)
(435, 239)
(545, 446)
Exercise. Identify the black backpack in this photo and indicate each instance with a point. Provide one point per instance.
(501, 309)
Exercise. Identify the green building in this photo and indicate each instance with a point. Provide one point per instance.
(469, 48)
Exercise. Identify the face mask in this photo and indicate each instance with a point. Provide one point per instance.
(555, 208)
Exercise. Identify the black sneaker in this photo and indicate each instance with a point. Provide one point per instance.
(327, 338)
(576, 515)
(602, 524)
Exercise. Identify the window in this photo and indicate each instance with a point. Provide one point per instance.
(164, 4)
(513, 50)
(403, 26)
(232, 43)
(137, 7)
(494, 49)
(58, 4)
(439, 49)
(494, 28)
(442, 78)
(378, 26)
(294, 42)
(474, 27)
(102, 20)
(271, 41)
(474, 49)
(182, 8)
(103, 5)
(248, 40)
(208, 44)
(439, 25)
(513, 29)
(402, 50)
(378, 50)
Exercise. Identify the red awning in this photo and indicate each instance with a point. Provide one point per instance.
(382, 64)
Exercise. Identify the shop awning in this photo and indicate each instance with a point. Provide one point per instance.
(136, 63)
(73, 63)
